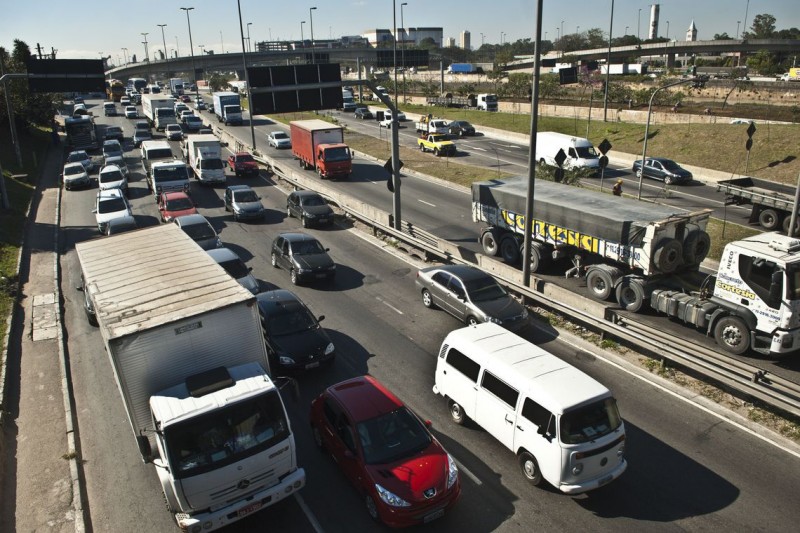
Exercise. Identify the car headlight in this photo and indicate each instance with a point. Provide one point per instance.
(237, 209)
(310, 215)
(389, 498)
(452, 471)
(494, 320)
(285, 360)
(329, 348)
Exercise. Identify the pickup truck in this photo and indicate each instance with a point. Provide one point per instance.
(438, 144)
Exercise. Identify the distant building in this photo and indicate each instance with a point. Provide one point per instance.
(410, 36)
(653, 33)
(691, 33)
(451, 42)
(465, 44)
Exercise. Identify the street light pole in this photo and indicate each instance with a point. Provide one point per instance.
(639, 26)
(745, 16)
(608, 63)
(394, 48)
(164, 39)
(146, 55)
(249, 44)
(737, 28)
(247, 78)
(311, 21)
(302, 39)
(403, 49)
(191, 51)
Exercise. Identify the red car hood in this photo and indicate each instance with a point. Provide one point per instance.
(247, 164)
(410, 476)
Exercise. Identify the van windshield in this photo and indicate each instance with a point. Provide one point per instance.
(590, 422)
(164, 174)
(586, 152)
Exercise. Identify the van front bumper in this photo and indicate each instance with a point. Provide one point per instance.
(594, 483)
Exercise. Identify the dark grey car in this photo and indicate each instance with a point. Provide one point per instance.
(310, 208)
(200, 230)
(303, 256)
(294, 339)
(470, 295)
(663, 169)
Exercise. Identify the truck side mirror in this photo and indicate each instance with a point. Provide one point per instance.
(145, 449)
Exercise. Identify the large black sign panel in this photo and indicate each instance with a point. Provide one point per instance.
(66, 75)
(298, 99)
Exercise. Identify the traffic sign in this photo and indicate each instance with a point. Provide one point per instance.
(604, 146)
(603, 161)
(751, 129)
(560, 157)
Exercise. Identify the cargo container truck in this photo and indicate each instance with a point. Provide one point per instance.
(772, 202)
(228, 107)
(204, 155)
(186, 347)
(319, 145)
(159, 110)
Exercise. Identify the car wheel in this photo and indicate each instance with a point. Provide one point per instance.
(304, 221)
(288, 212)
(639, 174)
(457, 413)
(372, 509)
(427, 299)
(530, 468)
(317, 438)
(668, 180)
(293, 276)
(274, 260)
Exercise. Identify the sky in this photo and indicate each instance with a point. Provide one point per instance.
(98, 28)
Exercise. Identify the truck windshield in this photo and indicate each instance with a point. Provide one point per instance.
(233, 109)
(225, 436)
(491, 98)
(586, 152)
(165, 112)
(163, 174)
(337, 154)
(211, 164)
(590, 422)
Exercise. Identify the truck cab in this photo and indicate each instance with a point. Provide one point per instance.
(334, 160)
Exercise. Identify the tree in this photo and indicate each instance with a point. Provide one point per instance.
(218, 82)
(29, 108)
(428, 44)
(763, 27)
(722, 37)
(595, 38)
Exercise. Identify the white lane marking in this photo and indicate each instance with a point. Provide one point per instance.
(390, 306)
(311, 518)
(515, 146)
(426, 203)
(469, 474)
(479, 149)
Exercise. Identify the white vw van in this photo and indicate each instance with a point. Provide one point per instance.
(563, 425)
(579, 152)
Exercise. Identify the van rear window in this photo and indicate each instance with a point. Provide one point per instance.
(463, 364)
(159, 153)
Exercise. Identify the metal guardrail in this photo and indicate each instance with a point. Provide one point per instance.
(738, 376)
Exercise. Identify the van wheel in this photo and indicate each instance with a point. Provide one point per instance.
(530, 468)
(427, 299)
(457, 413)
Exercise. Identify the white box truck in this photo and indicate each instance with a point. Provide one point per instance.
(204, 155)
(159, 110)
(228, 107)
(185, 344)
(176, 86)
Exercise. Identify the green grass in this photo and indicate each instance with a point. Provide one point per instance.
(723, 233)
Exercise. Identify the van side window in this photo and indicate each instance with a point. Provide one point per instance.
(500, 389)
(463, 364)
(535, 413)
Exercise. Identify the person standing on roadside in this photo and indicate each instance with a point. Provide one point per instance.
(617, 189)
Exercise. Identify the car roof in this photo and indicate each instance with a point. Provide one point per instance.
(189, 220)
(220, 255)
(78, 152)
(364, 398)
(296, 236)
(269, 300)
(239, 188)
(111, 142)
(306, 194)
(109, 168)
(74, 164)
(465, 272)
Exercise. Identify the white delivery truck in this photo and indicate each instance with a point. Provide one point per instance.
(192, 370)
(176, 86)
(580, 152)
(563, 426)
(204, 155)
(227, 107)
(159, 110)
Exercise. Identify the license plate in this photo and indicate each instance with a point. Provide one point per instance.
(249, 509)
(322, 275)
(315, 364)
(433, 516)
(323, 221)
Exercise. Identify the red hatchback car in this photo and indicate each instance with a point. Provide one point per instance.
(404, 475)
(175, 204)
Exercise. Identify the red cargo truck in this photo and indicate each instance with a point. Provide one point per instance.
(320, 145)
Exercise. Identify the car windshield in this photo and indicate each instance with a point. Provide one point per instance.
(139, 134)
(173, 127)
(337, 154)
(392, 436)
(199, 232)
(194, 120)
(280, 135)
(224, 436)
(111, 205)
(311, 201)
(235, 267)
(245, 196)
(307, 247)
(179, 204)
(590, 422)
(110, 176)
(72, 170)
(247, 158)
(290, 318)
(484, 289)
(586, 152)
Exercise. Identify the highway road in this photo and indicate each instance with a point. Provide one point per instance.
(689, 469)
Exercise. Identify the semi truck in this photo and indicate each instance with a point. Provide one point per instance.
(639, 255)
(319, 145)
(81, 132)
(159, 110)
(481, 102)
(228, 107)
(204, 155)
(772, 202)
(176, 86)
(461, 68)
(186, 347)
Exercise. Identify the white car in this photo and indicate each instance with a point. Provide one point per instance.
(110, 204)
(75, 175)
(125, 100)
(174, 132)
(80, 156)
(118, 161)
(186, 113)
(279, 139)
(199, 104)
(131, 112)
(111, 177)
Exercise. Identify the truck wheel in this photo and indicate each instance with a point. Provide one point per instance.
(539, 257)
(530, 468)
(599, 283)
(489, 243)
(509, 250)
(668, 256)
(696, 247)
(769, 219)
(457, 413)
(787, 220)
(732, 334)
(630, 295)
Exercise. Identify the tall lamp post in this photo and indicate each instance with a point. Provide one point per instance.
(311, 21)
(746, 9)
(302, 39)
(249, 43)
(247, 77)
(608, 64)
(639, 25)
(146, 55)
(403, 48)
(163, 39)
(737, 28)
(191, 51)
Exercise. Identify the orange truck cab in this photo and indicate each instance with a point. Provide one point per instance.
(319, 145)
